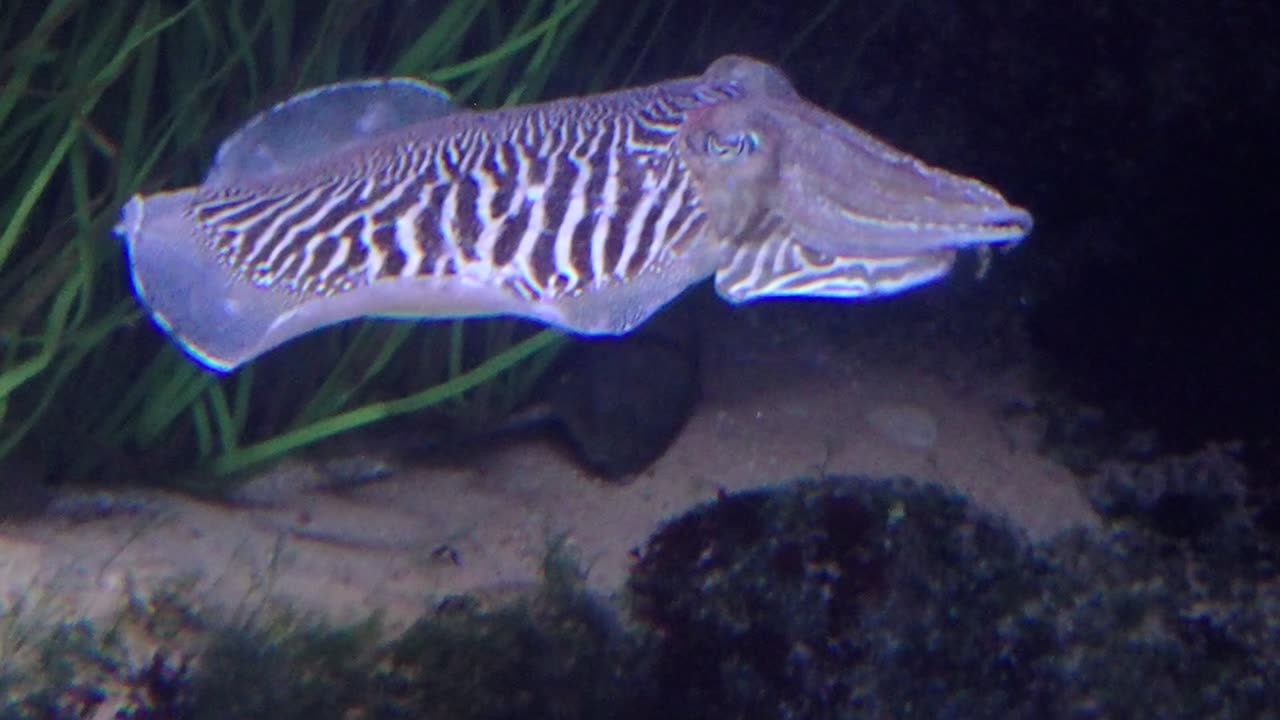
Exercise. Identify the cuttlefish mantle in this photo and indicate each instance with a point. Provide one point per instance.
(381, 199)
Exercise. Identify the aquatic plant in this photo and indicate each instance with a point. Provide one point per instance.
(102, 100)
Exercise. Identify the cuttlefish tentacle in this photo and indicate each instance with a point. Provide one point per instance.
(378, 198)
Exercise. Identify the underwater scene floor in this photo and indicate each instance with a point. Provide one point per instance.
(875, 511)
(788, 391)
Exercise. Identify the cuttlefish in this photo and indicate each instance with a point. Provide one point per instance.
(380, 198)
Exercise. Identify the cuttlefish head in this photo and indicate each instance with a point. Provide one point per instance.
(772, 167)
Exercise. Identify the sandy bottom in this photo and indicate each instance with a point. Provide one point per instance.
(924, 389)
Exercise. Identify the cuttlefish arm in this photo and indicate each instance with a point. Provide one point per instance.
(810, 205)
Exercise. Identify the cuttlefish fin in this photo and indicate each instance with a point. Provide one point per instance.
(321, 122)
(216, 314)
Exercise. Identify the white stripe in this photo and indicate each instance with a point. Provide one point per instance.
(609, 208)
(290, 234)
(577, 207)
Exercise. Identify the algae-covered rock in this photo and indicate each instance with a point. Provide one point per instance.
(843, 598)
(850, 598)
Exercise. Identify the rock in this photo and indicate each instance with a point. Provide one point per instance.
(621, 402)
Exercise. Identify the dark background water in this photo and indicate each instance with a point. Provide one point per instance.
(1140, 134)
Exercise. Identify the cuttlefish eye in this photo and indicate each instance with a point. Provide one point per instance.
(731, 146)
